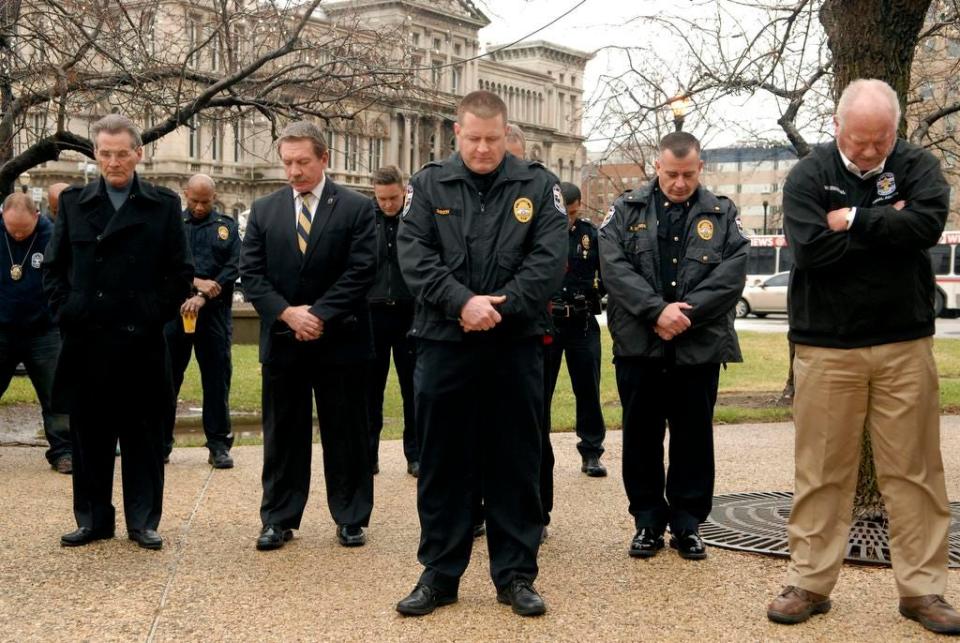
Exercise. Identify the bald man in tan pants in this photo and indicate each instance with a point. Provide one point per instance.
(860, 215)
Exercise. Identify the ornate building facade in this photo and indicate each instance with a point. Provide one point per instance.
(541, 83)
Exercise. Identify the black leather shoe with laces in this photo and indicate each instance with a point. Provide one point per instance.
(522, 597)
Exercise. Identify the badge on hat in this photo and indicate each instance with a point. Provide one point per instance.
(407, 201)
(705, 229)
(223, 232)
(886, 184)
(558, 200)
(523, 209)
(36, 260)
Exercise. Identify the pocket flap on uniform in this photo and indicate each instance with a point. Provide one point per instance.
(509, 259)
(640, 244)
(703, 255)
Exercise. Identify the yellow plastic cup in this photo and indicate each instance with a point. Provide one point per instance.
(189, 322)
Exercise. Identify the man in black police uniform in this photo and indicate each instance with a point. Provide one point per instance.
(215, 244)
(307, 261)
(27, 332)
(391, 313)
(576, 332)
(481, 247)
(674, 262)
(117, 268)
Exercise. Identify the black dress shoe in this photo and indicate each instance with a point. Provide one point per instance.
(413, 468)
(520, 595)
(646, 543)
(351, 536)
(479, 530)
(592, 467)
(273, 537)
(689, 545)
(423, 600)
(220, 460)
(146, 538)
(84, 536)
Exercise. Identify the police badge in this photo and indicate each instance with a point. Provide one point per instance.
(705, 229)
(36, 260)
(886, 184)
(223, 232)
(523, 209)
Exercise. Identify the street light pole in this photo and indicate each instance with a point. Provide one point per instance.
(765, 204)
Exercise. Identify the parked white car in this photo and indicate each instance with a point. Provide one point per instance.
(769, 296)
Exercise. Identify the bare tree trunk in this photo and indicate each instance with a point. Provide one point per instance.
(873, 39)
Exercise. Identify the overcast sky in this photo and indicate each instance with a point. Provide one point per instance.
(598, 23)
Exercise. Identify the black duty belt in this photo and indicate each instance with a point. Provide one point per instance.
(568, 311)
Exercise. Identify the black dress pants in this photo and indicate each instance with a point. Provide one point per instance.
(655, 393)
(390, 326)
(579, 338)
(479, 409)
(211, 342)
(288, 392)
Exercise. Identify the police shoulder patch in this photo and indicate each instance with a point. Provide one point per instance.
(558, 200)
(407, 201)
(607, 219)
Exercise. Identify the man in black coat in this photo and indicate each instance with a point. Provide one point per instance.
(117, 268)
(481, 245)
(674, 263)
(307, 261)
(391, 312)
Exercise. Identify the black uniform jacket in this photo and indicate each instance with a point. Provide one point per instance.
(455, 243)
(872, 284)
(711, 275)
(389, 286)
(332, 276)
(215, 244)
(113, 279)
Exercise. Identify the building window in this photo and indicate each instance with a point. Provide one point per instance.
(436, 73)
(351, 151)
(238, 136)
(416, 39)
(193, 37)
(215, 53)
(375, 155)
(457, 49)
(216, 142)
(437, 44)
(455, 73)
(193, 144)
(331, 146)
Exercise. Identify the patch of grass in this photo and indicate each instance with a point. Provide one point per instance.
(762, 374)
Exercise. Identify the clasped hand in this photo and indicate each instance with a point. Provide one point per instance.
(305, 325)
(479, 312)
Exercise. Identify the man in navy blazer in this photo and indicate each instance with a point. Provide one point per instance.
(307, 261)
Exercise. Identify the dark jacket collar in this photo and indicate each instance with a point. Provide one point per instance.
(511, 169)
(98, 189)
(706, 199)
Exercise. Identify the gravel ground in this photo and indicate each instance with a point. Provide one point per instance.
(208, 583)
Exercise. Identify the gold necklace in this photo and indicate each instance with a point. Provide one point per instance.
(16, 269)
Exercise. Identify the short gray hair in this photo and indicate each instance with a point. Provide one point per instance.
(114, 124)
(874, 86)
(514, 133)
(304, 130)
(20, 201)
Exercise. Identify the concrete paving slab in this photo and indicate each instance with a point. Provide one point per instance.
(209, 583)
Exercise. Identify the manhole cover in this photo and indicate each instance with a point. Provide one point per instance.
(757, 522)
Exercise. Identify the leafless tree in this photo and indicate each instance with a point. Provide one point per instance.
(65, 62)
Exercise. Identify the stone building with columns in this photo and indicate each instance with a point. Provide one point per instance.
(542, 84)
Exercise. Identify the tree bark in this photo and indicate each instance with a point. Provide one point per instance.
(873, 39)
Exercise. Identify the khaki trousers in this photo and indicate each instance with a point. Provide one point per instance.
(892, 391)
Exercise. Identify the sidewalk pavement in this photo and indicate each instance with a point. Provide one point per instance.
(209, 583)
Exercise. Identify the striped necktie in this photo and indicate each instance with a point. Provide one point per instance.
(304, 219)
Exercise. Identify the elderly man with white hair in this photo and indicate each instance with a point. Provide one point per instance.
(860, 215)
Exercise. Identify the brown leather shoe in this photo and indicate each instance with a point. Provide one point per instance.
(932, 612)
(795, 605)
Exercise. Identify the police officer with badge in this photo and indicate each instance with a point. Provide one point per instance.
(205, 324)
(674, 263)
(481, 246)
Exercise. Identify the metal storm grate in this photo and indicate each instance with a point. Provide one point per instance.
(757, 522)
